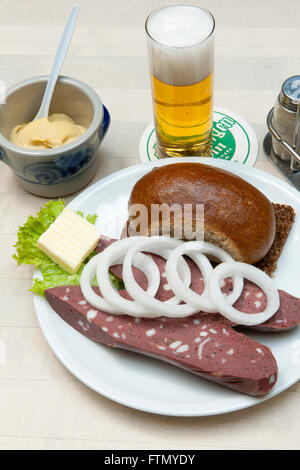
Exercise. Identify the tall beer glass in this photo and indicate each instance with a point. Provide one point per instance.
(181, 56)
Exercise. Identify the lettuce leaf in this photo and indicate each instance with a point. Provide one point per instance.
(28, 234)
(27, 251)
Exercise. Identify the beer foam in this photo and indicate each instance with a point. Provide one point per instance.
(180, 25)
(181, 44)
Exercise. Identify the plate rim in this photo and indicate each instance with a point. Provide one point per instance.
(87, 193)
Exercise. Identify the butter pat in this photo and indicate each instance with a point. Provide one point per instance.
(69, 240)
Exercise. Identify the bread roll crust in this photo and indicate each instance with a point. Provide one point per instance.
(237, 216)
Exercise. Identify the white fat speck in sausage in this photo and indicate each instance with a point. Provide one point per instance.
(175, 344)
(230, 352)
(183, 348)
(151, 332)
(200, 350)
(91, 314)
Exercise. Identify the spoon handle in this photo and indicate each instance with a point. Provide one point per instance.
(58, 62)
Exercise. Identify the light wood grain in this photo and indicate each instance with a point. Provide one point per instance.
(42, 406)
(120, 41)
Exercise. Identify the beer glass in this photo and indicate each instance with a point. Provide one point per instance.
(180, 41)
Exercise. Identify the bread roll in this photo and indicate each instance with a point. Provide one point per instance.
(237, 217)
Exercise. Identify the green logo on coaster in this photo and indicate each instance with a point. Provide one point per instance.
(223, 142)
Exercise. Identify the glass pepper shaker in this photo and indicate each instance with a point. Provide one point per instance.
(294, 164)
(286, 119)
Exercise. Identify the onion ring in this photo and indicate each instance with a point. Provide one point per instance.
(114, 254)
(199, 301)
(152, 244)
(184, 273)
(222, 255)
(87, 275)
(184, 270)
(203, 301)
(253, 274)
(90, 271)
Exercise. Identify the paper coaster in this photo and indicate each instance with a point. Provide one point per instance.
(233, 139)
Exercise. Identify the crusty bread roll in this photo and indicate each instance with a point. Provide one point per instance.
(237, 217)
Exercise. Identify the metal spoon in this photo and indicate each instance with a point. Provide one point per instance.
(58, 62)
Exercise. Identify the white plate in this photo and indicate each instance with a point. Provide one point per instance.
(148, 384)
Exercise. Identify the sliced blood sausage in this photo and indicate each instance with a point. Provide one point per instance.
(286, 317)
(252, 299)
(205, 344)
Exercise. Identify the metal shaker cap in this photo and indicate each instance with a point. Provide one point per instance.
(290, 93)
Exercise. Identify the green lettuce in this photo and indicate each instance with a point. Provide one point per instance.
(27, 251)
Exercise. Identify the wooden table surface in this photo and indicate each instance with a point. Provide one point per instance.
(42, 406)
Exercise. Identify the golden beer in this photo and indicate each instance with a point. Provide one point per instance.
(183, 117)
(181, 68)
